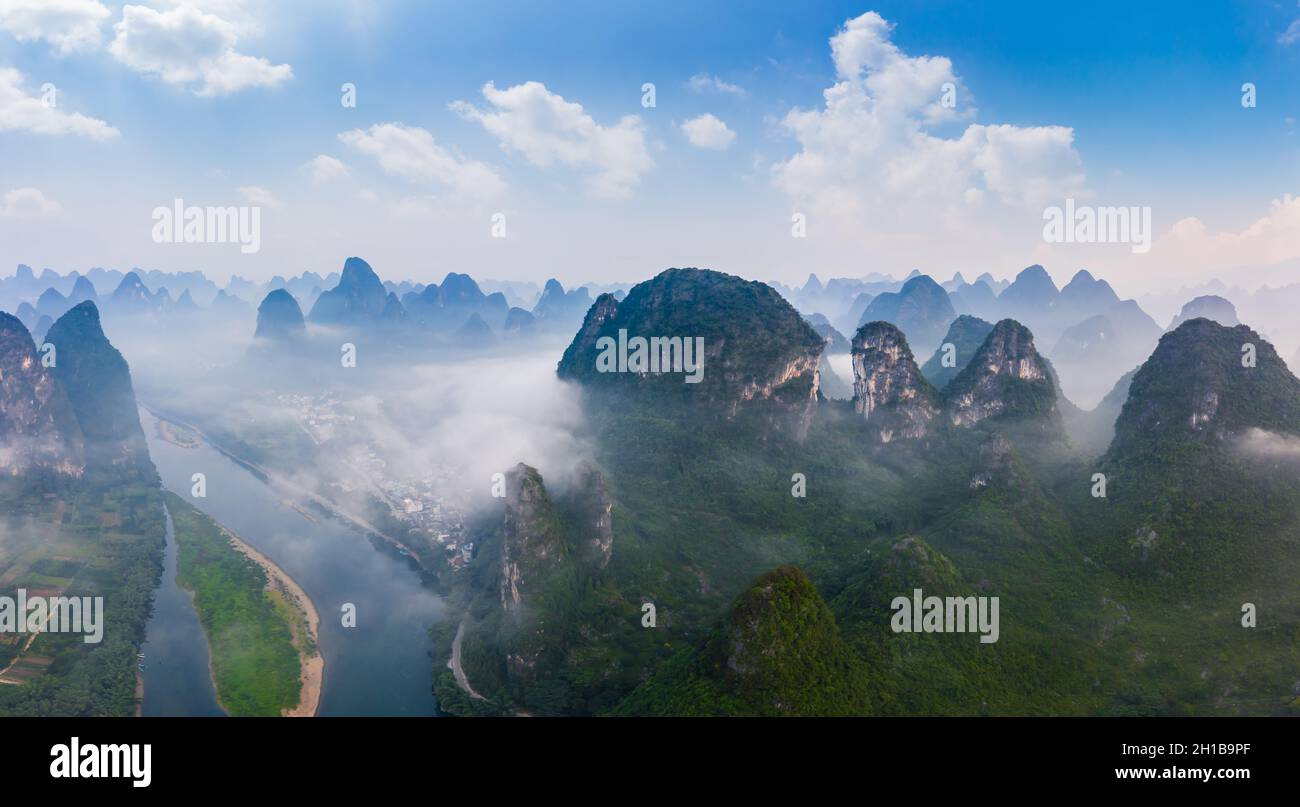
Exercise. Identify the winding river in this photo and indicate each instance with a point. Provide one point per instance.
(381, 666)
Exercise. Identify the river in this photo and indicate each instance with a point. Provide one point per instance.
(382, 666)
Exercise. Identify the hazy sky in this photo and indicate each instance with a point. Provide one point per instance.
(535, 110)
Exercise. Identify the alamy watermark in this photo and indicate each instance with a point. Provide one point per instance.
(921, 614)
(1085, 224)
(657, 354)
(179, 224)
(77, 760)
(23, 614)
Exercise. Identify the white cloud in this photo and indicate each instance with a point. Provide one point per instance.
(185, 45)
(707, 132)
(1291, 35)
(548, 130)
(22, 112)
(1190, 251)
(28, 203)
(258, 196)
(871, 160)
(1268, 445)
(1189, 245)
(324, 168)
(69, 25)
(703, 82)
(411, 153)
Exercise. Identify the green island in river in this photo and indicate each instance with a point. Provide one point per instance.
(261, 626)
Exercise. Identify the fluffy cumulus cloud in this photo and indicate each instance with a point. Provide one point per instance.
(41, 114)
(323, 168)
(28, 203)
(548, 130)
(707, 132)
(887, 153)
(188, 46)
(68, 25)
(411, 153)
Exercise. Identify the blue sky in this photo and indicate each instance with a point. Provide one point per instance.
(1117, 103)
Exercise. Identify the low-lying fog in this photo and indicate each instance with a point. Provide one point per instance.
(458, 415)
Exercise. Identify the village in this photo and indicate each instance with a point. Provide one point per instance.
(429, 503)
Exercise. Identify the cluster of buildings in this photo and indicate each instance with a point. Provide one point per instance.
(320, 416)
(426, 504)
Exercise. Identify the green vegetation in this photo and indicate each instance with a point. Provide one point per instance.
(1127, 604)
(778, 652)
(95, 531)
(254, 661)
(695, 303)
(966, 334)
(80, 540)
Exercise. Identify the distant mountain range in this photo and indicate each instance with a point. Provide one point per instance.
(435, 307)
(1092, 336)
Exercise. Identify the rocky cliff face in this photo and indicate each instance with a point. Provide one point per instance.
(544, 535)
(746, 344)
(594, 511)
(38, 429)
(551, 548)
(888, 388)
(97, 381)
(1007, 379)
(532, 534)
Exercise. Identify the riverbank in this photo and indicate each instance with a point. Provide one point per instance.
(380, 668)
(306, 632)
(261, 627)
(283, 483)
